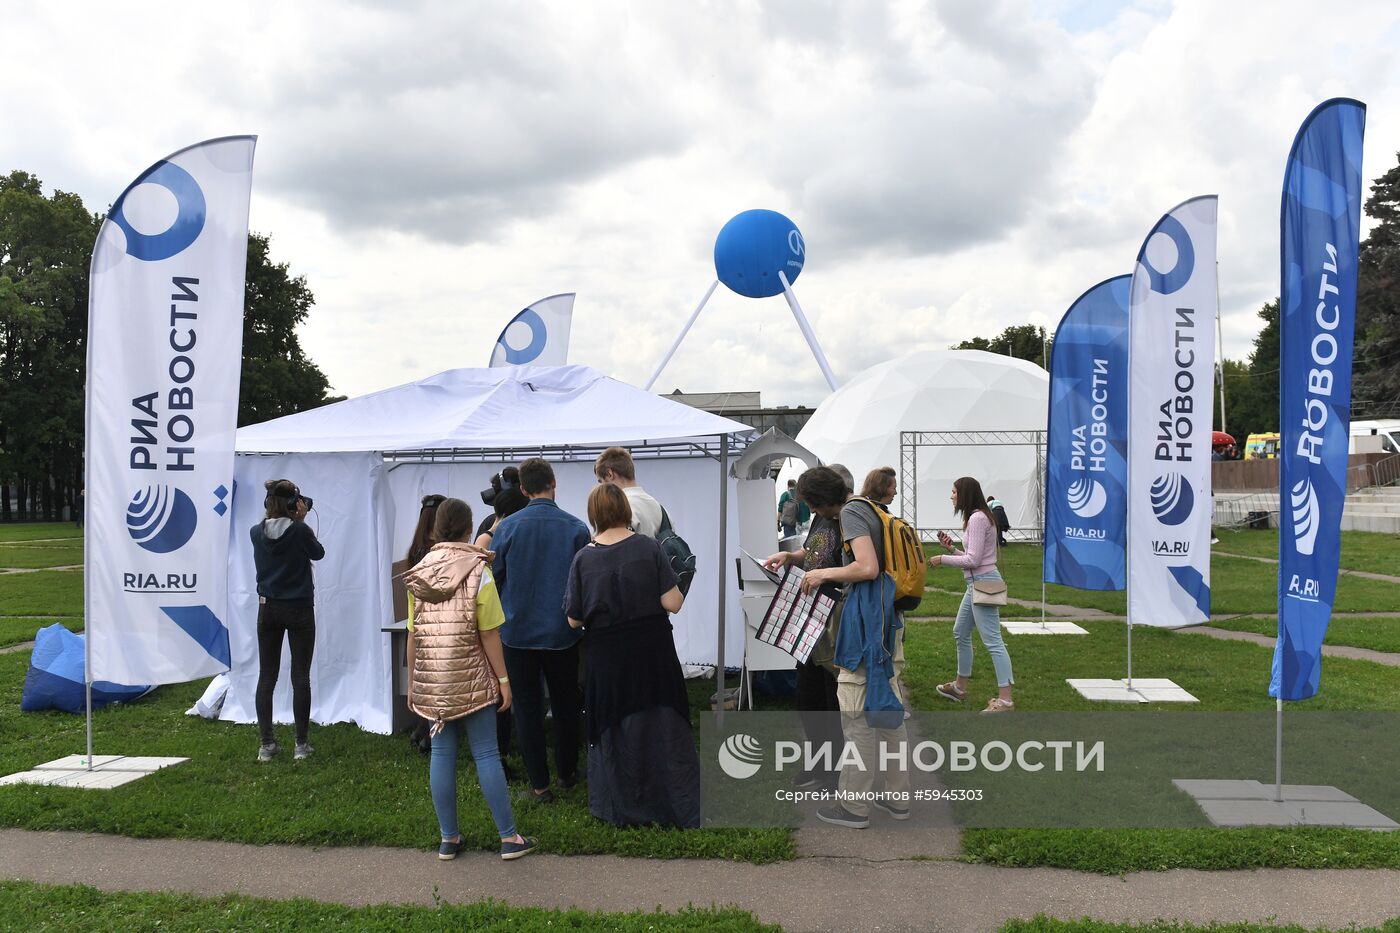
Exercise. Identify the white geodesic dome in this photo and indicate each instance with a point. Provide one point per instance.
(938, 390)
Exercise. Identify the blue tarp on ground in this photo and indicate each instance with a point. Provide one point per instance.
(55, 678)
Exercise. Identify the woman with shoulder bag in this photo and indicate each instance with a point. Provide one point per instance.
(985, 592)
(458, 677)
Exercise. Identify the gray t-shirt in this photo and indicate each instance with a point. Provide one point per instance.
(859, 519)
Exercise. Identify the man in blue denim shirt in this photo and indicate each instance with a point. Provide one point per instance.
(534, 549)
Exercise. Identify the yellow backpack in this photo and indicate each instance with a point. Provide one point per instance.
(904, 556)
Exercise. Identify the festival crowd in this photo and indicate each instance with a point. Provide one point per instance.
(533, 609)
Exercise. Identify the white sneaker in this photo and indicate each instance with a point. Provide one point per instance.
(303, 751)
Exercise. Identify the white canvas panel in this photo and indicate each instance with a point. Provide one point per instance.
(350, 672)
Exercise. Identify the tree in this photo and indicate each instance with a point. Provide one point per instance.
(45, 253)
(45, 249)
(1251, 390)
(1377, 360)
(278, 379)
(1023, 341)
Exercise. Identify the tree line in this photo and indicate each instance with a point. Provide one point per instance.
(45, 251)
(1252, 384)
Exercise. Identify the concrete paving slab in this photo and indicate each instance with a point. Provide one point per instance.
(108, 771)
(1246, 813)
(74, 762)
(1338, 813)
(1208, 789)
(1048, 628)
(1144, 690)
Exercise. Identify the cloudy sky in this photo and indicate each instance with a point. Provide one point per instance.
(956, 166)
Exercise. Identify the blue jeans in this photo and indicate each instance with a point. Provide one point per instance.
(442, 771)
(988, 622)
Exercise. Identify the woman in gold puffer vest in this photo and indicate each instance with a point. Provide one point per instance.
(457, 680)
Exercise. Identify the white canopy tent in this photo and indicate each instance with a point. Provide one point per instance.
(367, 461)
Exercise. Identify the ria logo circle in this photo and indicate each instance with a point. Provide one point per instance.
(161, 519)
(1086, 497)
(1172, 499)
(1306, 516)
(740, 756)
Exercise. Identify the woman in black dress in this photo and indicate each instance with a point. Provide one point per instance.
(642, 763)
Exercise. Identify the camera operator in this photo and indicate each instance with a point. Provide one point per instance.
(283, 549)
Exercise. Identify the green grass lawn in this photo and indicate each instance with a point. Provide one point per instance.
(15, 631)
(1237, 585)
(45, 593)
(360, 789)
(1223, 675)
(1361, 550)
(44, 907)
(1043, 924)
(1381, 634)
(23, 531)
(20, 556)
(222, 793)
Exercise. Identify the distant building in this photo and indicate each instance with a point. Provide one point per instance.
(747, 408)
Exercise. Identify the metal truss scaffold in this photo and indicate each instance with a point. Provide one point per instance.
(911, 441)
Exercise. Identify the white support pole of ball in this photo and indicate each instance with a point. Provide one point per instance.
(807, 332)
(684, 330)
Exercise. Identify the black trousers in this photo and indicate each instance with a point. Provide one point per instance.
(816, 705)
(525, 667)
(298, 624)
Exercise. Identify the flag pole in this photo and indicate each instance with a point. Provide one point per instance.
(684, 330)
(807, 331)
(1278, 749)
(87, 689)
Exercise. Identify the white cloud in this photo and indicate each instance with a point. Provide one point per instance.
(956, 166)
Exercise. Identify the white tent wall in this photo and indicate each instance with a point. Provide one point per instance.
(353, 518)
(689, 490)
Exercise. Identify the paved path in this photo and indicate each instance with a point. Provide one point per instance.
(805, 894)
(38, 569)
(1366, 574)
(1331, 651)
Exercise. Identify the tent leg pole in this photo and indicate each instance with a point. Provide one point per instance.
(722, 564)
(806, 329)
(684, 330)
(1278, 750)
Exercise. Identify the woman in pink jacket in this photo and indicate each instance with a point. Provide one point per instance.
(977, 562)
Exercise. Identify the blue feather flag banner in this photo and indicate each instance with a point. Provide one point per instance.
(1086, 473)
(537, 336)
(1320, 232)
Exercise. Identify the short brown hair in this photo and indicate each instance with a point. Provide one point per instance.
(536, 476)
(608, 507)
(453, 521)
(877, 483)
(617, 460)
(821, 487)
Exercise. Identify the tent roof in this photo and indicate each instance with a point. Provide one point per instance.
(503, 408)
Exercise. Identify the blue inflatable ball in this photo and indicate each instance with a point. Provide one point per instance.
(753, 248)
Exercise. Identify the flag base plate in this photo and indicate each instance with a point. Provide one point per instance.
(1144, 690)
(108, 771)
(1250, 803)
(1048, 628)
